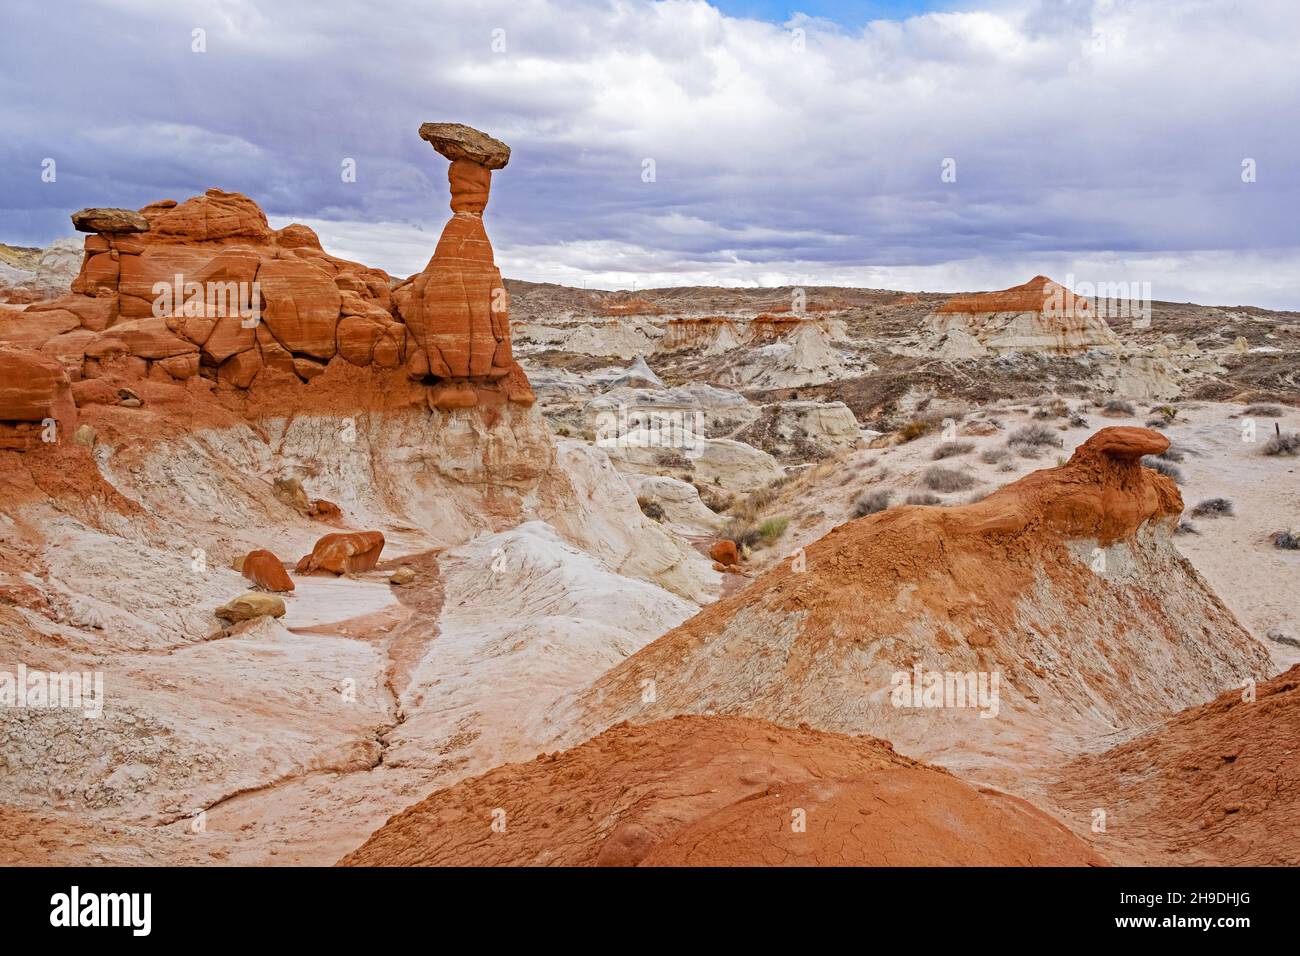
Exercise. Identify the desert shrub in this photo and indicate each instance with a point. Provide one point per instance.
(651, 508)
(1166, 412)
(745, 535)
(938, 478)
(923, 498)
(1186, 527)
(562, 431)
(1165, 468)
(950, 448)
(1156, 423)
(716, 501)
(1287, 541)
(672, 459)
(1033, 436)
(991, 456)
(917, 427)
(1264, 411)
(1213, 508)
(1006, 466)
(772, 528)
(1078, 421)
(1172, 453)
(869, 502)
(1287, 443)
(1118, 406)
(1053, 409)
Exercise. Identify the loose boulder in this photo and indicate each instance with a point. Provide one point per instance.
(266, 571)
(344, 553)
(250, 605)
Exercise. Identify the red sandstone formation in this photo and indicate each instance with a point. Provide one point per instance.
(720, 791)
(205, 288)
(266, 571)
(344, 553)
(457, 310)
(1215, 785)
(33, 389)
(994, 586)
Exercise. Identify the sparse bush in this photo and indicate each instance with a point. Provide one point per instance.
(1078, 421)
(1264, 411)
(918, 427)
(950, 448)
(1156, 423)
(1165, 468)
(670, 459)
(1034, 436)
(745, 535)
(772, 528)
(991, 456)
(1172, 453)
(715, 501)
(1286, 443)
(1006, 466)
(1053, 409)
(938, 478)
(1186, 527)
(1213, 508)
(1118, 407)
(1167, 412)
(869, 502)
(651, 508)
(1287, 541)
(923, 498)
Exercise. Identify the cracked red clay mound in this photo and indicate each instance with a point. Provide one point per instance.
(1063, 585)
(713, 791)
(1218, 785)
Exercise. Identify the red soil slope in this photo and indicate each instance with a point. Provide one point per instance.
(1218, 784)
(706, 791)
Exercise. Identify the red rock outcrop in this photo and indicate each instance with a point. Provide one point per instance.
(344, 552)
(993, 587)
(457, 309)
(33, 389)
(206, 288)
(721, 791)
(266, 571)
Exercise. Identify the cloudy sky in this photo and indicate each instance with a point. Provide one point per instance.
(790, 143)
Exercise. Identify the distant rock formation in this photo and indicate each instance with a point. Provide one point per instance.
(1040, 315)
(30, 275)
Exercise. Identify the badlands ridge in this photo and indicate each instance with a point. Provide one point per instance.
(455, 570)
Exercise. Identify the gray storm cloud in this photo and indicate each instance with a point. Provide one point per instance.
(1105, 136)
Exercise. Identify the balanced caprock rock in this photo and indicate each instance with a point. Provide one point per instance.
(457, 310)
